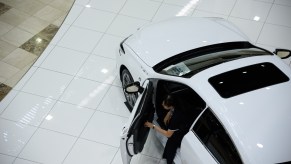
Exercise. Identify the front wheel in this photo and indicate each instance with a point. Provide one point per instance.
(126, 79)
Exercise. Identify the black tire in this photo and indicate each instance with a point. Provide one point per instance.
(126, 79)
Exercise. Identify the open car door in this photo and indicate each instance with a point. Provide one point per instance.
(134, 133)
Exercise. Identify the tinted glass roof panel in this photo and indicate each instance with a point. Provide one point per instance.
(247, 79)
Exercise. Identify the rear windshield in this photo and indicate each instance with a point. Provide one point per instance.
(247, 79)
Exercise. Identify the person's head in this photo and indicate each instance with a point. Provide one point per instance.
(168, 102)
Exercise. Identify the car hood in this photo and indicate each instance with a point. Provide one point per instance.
(159, 41)
(258, 121)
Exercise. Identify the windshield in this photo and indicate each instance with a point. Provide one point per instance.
(197, 61)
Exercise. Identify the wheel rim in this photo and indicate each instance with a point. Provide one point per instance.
(130, 98)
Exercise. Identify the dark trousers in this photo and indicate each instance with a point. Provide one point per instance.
(170, 150)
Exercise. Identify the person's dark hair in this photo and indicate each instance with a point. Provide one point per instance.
(169, 100)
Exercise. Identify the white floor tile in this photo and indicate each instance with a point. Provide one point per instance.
(89, 152)
(98, 69)
(108, 5)
(106, 124)
(249, 9)
(108, 46)
(73, 15)
(14, 136)
(199, 13)
(143, 9)
(280, 15)
(167, 11)
(249, 27)
(80, 39)
(268, 1)
(283, 2)
(47, 147)
(112, 105)
(99, 16)
(25, 78)
(124, 26)
(47, 83)
(193, 3)
(43, 56)
(82, 2)
(117, 158)
(67, 118)
(61, 32)
(217, 6)
(7, 100)
(277, 36)
(117, 82)
(55, 60)
(5, 159)
(22, 161)
(85, 93)
(28, 109)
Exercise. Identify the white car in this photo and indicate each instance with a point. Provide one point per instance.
(235, 96)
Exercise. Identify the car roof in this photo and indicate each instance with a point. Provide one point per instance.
(159, 41)
(258, 121)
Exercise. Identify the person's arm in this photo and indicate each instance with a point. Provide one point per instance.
(167, 118)
(167, 133)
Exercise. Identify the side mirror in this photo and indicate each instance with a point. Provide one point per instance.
(133, 88)
(283, 53)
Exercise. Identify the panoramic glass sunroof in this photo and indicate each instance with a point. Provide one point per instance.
(247, 79)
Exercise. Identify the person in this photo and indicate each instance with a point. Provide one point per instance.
(174, 131)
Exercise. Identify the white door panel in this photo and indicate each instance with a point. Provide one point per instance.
(192, 151)
(126, 145)
(126, 148)
(134, 133)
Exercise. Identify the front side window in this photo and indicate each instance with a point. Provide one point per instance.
(213, 136)
(187, 101)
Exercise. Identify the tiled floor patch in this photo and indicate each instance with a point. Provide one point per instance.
(35, 45)
(4, 89)
(39, 42)
(4, 8)
(25, 35)
(49, 32)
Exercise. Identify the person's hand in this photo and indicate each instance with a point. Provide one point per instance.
(148, 124)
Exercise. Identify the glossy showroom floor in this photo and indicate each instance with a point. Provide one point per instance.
(68, 108)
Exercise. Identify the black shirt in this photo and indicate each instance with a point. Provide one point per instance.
(177, 124)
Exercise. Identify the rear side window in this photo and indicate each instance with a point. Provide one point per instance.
(212, 134)
(247, 79)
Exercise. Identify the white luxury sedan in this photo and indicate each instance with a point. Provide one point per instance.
(235, 96)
